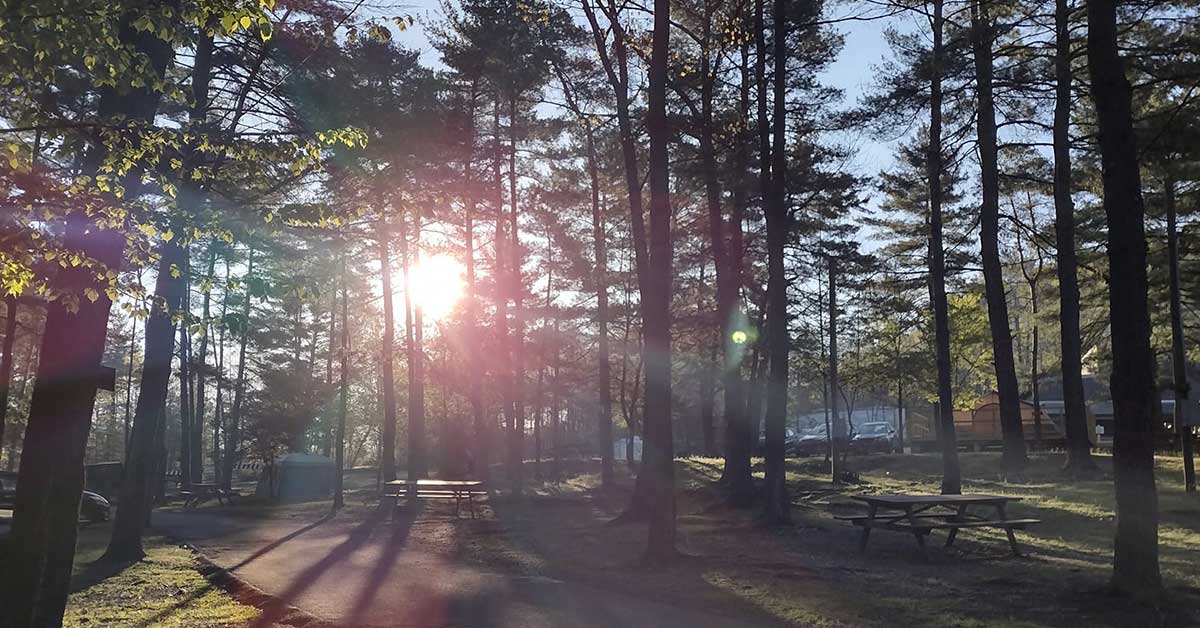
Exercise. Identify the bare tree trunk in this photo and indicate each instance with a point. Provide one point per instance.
(517, 337)
(989, 243)
(1135, 553)
(339, 461)
(480, 455)
(388, 438)
(201, 365)
(418, 461)
(604, 426)
(6, 360)
(778, 504)
(125, 543)
(233, 434)
(1079, 441)
(951, 475)
(837, 436)
(500, 276)
(185, 380)
(658, 457)
(1178, 357)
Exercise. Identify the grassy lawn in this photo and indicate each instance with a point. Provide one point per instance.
(811, 574)
(163, 590)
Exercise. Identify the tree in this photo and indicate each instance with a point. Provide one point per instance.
(982, 35)
(951, 475)
(1135, 552)
(1079, 441)
(658, 462)
(42, 541)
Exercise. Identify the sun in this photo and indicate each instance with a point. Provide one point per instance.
(437, 285)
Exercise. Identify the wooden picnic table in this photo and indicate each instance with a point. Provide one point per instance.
(920, 515)
(458, 490)
(201, 491)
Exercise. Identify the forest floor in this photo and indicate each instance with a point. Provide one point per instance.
(553, 558)
(812, 574)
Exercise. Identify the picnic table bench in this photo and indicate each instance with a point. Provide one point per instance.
(458, 490)
(920, 515)
(199, 493)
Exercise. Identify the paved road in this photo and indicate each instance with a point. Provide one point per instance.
(373, 574)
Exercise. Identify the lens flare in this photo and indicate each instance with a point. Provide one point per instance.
(437, 285)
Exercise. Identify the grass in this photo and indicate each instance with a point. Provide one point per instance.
(164, 590)
(811, 574)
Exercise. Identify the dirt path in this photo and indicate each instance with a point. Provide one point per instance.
(417, 570)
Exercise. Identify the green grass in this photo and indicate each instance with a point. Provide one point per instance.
(163, 590)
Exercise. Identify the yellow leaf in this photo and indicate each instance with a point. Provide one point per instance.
(91, 294)
(245, 21)
(168, 235)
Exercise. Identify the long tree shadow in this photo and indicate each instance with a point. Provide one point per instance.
(280, 541)
(280, 604)
(401, 527)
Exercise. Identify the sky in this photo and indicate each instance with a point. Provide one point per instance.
(853, 71)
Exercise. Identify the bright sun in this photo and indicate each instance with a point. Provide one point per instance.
(437, 284)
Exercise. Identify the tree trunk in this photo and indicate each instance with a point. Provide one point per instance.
(517, 337)
(604, 426)
(388, 450)
(339, 461)
(1079, 441)
(233, 434)
(837, 436)
(658, 458)
(778, 504)
(6, 360)
(951, 475)
(989, 244)
(417, 446)
(1178, 357)
(500, 276)
(125, 543)
(201, 364)
(186, 476)
(1135, 553)
(480, 454)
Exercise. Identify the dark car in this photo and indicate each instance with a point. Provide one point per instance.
(874, 437)
(92, 506)
(811, 442)
(789, 435)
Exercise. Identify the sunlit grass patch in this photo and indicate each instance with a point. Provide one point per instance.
(163, 590)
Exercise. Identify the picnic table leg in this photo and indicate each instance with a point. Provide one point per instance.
(1012, 537)
(866, 533)
(961, 512)
(471, 504)
(457, 498)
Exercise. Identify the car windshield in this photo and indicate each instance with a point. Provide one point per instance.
(816, 430)
(875, 428)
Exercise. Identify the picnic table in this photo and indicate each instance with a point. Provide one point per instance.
(920, 515)
(201, 492)
(458, 490)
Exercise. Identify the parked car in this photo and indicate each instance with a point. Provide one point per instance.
(874, 437)
(811, 442)
(92, 506)
(789, 435)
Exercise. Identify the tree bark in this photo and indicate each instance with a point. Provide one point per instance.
(500, 276)
(604, 426)
(339, 461)
(6, 360)
(517, 335)
(388, 450)
(1014, 456)
(1135, 552)
(233, 434)
(481, 453)
(417, 443)
(658, 458)
(835, 427)
(125, 542)
(1178, 357)
(778, 504)
(1079, 441)
(951, 475)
